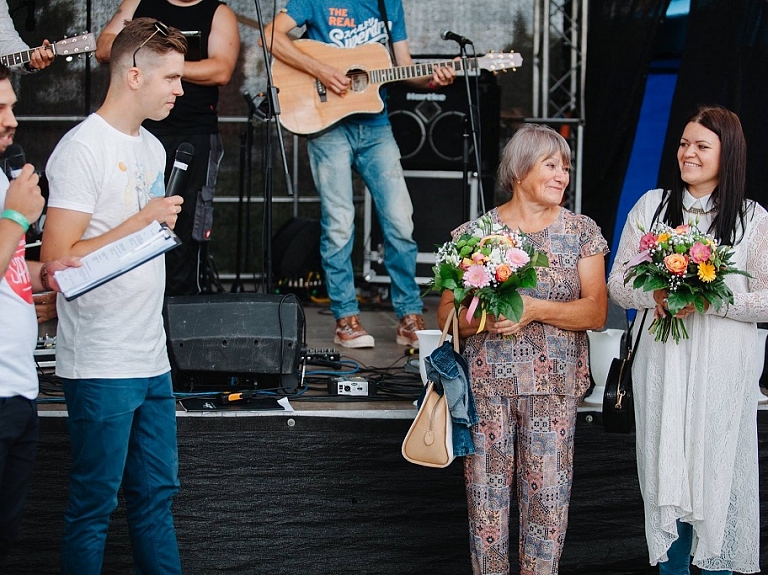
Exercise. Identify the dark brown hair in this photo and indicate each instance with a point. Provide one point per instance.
(5, 72)
(730, 193)
(140, 30)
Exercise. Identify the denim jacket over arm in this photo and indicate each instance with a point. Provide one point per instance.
(449, 371)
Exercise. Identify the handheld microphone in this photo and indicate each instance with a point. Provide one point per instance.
(446, 34)
(178, 177)
(14, 161)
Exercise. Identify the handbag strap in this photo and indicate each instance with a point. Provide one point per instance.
(631, 350)
(451, 321)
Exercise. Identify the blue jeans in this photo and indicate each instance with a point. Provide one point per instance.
(374, 154)
(121, 431)
(679, 554)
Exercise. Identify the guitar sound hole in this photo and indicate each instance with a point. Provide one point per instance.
(359, 79)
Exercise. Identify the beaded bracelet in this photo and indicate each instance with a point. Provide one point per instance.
(17, 217)
(44, 277)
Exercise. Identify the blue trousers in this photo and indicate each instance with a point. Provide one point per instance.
(374, 154)
(679, 554)
(121, 431)
(18, 445)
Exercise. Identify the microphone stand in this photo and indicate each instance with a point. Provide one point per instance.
(472, 132)
(274, 108)
(237, 284)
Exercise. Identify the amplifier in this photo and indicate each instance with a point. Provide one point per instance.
(235, 334)
(428, 124)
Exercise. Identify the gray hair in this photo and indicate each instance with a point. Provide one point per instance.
(530, 142)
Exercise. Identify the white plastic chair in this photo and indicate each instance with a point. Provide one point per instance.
(604, 345)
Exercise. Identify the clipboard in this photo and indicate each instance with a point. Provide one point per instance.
(115, 259)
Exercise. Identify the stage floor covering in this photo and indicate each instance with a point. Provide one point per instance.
(324, 489)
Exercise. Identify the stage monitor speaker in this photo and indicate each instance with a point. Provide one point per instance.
(236, 334)
(428, 125)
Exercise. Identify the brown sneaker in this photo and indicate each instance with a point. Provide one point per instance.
(406, 329)
(350, 333)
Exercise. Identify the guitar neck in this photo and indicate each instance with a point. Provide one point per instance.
(423, 70)
(17, 58)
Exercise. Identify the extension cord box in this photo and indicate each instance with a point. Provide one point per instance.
(351, 386)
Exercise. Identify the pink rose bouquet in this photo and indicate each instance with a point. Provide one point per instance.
(488, 263)
(690, 265)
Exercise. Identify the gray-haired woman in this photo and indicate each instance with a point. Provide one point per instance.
(528, 377)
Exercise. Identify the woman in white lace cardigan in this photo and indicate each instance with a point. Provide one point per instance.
(695, 402)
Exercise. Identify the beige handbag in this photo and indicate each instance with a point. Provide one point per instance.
(429, 441)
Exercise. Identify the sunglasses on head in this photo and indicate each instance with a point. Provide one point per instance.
(159, 28)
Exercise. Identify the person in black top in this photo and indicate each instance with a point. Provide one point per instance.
(194, 119)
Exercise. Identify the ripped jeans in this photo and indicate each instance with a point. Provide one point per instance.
(372, 151)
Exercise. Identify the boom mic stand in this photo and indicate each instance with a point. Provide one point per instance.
(274, 114)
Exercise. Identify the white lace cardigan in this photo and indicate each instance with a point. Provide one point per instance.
(696, 408)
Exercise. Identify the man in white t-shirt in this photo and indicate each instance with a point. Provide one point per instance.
(22, 204)
(106, 181)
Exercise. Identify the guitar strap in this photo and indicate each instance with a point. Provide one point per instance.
(383, 10)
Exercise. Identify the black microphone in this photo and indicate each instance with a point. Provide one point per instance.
(446, 34)
(178, 177)
(14, 161)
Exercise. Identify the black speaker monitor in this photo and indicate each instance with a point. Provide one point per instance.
(236, 334)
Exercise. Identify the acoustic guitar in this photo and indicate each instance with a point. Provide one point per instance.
(68, 47)
(307, 107)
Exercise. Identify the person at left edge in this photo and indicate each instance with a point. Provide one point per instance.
(106, 181)
(11, 42)
(194, 119)
(22, 204)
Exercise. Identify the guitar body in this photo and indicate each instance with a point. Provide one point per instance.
(306, 108)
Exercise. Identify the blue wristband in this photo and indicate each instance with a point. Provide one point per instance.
(17, 217)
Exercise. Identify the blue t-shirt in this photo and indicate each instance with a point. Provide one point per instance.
(350, 23)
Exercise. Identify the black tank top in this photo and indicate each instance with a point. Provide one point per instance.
(195, 112)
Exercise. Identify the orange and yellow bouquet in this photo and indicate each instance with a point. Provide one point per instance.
(690, 265)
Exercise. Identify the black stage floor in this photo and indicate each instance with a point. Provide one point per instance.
(295, 494)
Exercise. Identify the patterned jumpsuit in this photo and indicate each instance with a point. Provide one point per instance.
(527, 390)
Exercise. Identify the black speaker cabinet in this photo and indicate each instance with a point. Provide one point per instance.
(438, 207)
(236, 335)
(429, 124)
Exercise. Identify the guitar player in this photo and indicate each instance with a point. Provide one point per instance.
(363, 142)
(10, 41)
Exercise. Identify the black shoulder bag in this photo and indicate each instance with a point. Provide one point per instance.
(618, 398)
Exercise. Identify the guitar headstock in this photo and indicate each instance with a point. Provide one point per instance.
(500, 61)
(76, 45)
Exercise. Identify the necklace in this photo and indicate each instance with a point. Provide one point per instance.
(699, 211)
